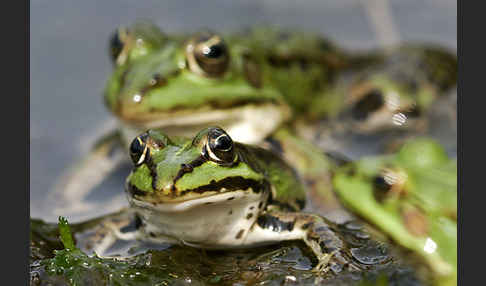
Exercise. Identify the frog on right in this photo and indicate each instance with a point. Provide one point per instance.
(380, 105)
(412, 197)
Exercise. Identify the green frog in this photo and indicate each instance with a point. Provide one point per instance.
(411, 196)
(383, 103)
(259, 84)
(211, 192)
(248, 83)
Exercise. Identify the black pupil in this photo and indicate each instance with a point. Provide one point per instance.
(223, 143)
(116, 46)
(380, 188)
(136, 147)
(371, 102)
(215, 51)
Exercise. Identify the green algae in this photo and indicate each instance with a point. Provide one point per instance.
(288, 263)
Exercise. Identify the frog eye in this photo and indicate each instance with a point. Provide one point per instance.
(369, 103)
(139, 150)
(389, 183)
(380, 188)
(117, 43)
(207, 55)
(219, 146)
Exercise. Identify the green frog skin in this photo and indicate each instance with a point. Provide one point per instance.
(210, 192)
(412, 197)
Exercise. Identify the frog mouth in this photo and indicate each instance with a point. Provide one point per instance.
(214, 190)
(225, 198)
(248, 123)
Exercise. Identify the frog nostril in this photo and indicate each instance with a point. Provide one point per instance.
(157, 80)
(154, 82)
(186, 168)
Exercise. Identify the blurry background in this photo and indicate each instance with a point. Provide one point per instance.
(69, 60)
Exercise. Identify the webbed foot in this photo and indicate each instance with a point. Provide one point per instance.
(336, 247)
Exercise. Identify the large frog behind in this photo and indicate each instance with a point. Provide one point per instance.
(202, 78)
(257, 84)
(411, 196)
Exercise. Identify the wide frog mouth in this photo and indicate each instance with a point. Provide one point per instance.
(186, 204)
(246, 113)
(232, 188)
(248, 123)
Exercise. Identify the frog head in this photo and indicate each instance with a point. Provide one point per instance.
(411, 196)
(397, 93)
(378, 101)
(183, 83)
(196, 189)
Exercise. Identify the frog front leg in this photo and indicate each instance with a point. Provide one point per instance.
(319, 234)
(115, 234)
(315, 168)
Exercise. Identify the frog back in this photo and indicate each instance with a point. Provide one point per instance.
(419, 64)
(298, 64)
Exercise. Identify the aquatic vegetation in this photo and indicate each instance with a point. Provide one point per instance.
(284, 264)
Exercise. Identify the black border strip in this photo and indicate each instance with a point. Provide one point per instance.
(15, 114)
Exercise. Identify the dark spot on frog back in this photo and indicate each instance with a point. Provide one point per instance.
(240, 234)
(274, 145)
(338, 158)
(252, 71)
